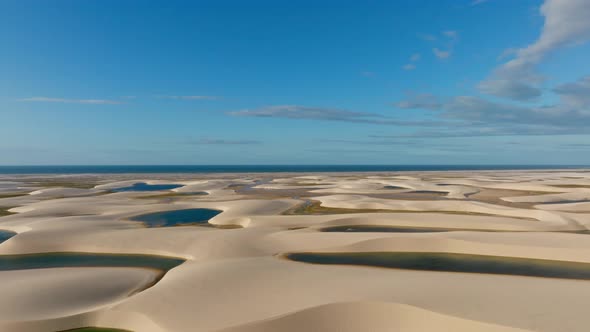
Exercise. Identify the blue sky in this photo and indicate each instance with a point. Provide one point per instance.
(295, 82)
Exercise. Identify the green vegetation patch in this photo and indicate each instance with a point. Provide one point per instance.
(19, 194)
(4, 211)
(66, 184)
(315, 207)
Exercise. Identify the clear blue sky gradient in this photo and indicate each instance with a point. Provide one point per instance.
(277, 82)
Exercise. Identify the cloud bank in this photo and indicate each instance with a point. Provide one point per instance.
(566, 23)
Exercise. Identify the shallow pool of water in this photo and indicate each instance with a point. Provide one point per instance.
(384, 229)
(409, 229)
(430, 192)
(566, 201)
(5, 235)
(177, 217)
(79, 259)
(450, 262)
(141, 186)
(394, 187)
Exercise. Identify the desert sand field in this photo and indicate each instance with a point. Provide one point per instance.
(493, 251)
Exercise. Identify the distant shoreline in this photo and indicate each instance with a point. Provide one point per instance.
(204, 169)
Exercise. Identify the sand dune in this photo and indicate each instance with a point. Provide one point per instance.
(369, 316)
(237, 279)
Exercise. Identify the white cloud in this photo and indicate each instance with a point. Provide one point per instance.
(507, 53)
(413, 58)
(576, 94)
(478, 2)
(421, 101)
(566, 24)
(473, 114)
(302, 112)
(509, 89)
(440, 53)
(451, 34)
(216, 141)
(189, 97)
(426, 37)
(72, 101)
(326, 114)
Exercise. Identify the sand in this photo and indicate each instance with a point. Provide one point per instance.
(237, 280)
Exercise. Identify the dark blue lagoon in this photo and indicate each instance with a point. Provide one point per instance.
(147, 187)
(177, 217)
(5, 235)
(79, 259)
(451, 262)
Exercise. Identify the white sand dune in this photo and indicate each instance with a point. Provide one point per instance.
(552, 198)
(59, 292)
(62, 192)
(368, 316)
(365, 202)
(237, 280)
